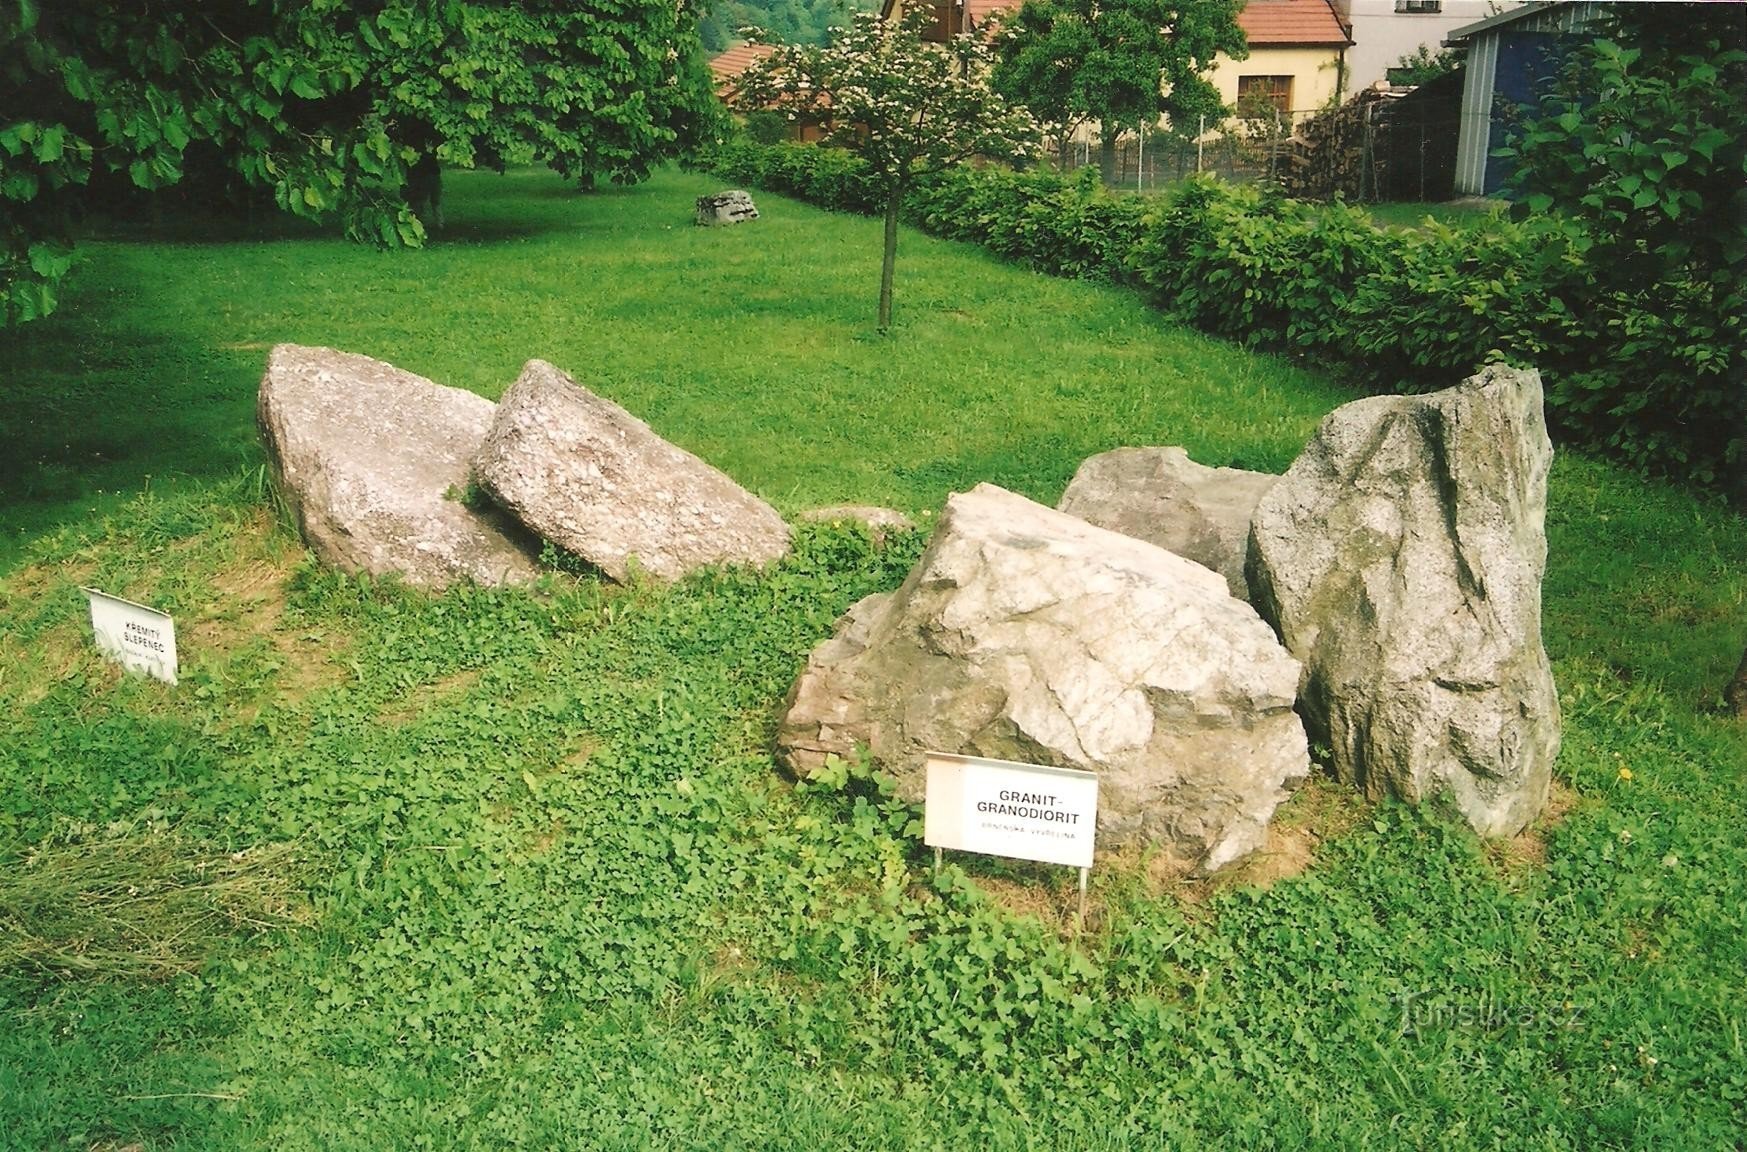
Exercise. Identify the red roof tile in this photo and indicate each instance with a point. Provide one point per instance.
(1287, 23)
(728, 66)
(977, 12)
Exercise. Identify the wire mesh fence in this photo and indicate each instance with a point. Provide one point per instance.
(1383, 144)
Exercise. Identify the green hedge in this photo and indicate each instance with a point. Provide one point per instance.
(1650, 374)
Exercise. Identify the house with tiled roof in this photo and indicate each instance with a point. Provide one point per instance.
(726, 67)
(1297, 49)
(952, 17)
(1297, 60)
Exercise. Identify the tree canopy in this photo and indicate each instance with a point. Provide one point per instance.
(901, 103)
(1643, 143)
(333, 106)
(1644, 138)
(1124, 63)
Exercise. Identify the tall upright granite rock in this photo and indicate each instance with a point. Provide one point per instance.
(372, 462)
(1027, 634)
(599, 483)
(1161, 496)
(1400, 558)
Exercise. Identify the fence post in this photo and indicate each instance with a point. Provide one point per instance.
(1422, 162)
(1198, 137)
(1367, 159)
(1140, 159)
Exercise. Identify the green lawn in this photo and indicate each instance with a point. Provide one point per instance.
(547, 889)
(1472, 213)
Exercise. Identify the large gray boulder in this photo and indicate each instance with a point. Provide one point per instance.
(596, 481)
(1161, 496)
(1027, 634)
(372, 462)
(1400, 558)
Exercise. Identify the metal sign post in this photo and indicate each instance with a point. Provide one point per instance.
(1021, 811)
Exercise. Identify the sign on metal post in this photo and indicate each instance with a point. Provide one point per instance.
(1003, 808)
(1000, 808)
(142, 639)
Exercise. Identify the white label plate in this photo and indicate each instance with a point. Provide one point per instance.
(1001, 808)
(142, 639)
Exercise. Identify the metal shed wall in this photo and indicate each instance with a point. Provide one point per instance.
(1522, 42)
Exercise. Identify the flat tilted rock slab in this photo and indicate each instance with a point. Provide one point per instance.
(596, 481)
(372, 461)
(1027, 634)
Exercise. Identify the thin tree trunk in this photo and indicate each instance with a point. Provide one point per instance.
(1107, 156)
(891, 256)
(1735, 695)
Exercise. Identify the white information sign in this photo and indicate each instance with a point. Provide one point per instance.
(1000, 808)
(142, 638)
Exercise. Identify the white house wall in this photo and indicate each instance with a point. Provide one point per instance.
(1382, 36)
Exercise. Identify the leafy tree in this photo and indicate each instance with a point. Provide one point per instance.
(1422, 66)
(787, 21)
(342, 110)
(901, 103)
(1643, 139)
(1123, 63)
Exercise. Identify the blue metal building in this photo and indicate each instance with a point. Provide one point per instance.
(1510, 58)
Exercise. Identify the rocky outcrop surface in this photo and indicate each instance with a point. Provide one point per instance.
(1401, 558)
(596, 481)
(1161, 496)
(372, 462)
(1030, 635)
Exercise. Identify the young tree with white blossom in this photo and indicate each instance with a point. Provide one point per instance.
(903, 104)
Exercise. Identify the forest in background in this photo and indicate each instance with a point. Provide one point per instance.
(789, 21)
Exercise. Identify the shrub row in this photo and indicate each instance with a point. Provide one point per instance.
(1650, 373)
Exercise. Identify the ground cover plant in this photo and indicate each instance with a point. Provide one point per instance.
(530, 878)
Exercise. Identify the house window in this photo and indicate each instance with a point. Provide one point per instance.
(1419, 5)
(1256, 93)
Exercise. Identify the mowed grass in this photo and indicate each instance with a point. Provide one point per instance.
(547, 889)
(751, 346)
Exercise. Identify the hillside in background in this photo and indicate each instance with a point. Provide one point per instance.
(791, 21)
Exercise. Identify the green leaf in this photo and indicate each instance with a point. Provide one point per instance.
(1706, 142)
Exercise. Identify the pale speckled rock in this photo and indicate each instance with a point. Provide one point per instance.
(596, 481)
(1401, 558)
(1027, 634)
(370, 460)
(1161, 496)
